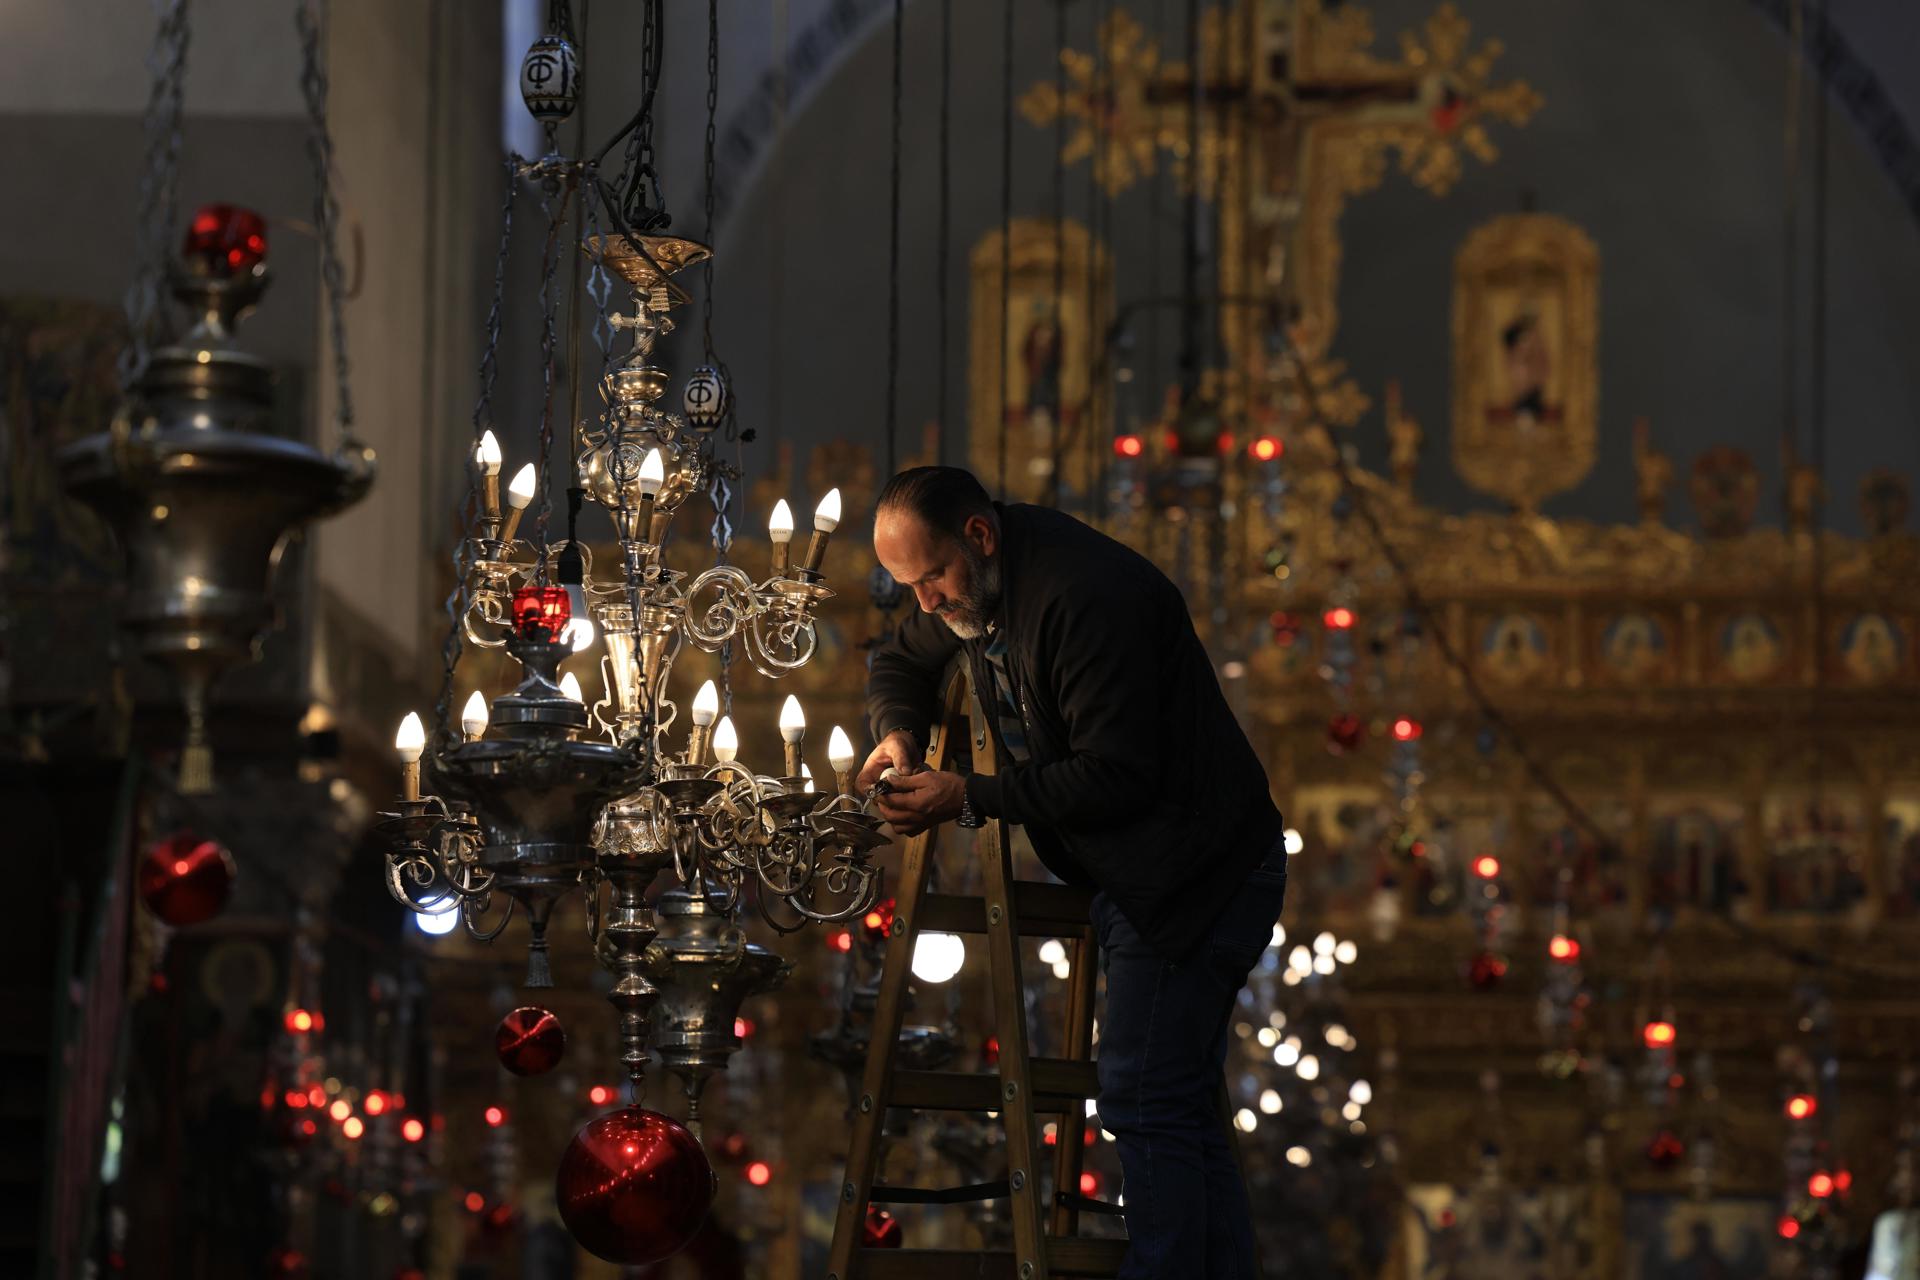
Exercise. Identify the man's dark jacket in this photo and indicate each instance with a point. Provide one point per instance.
(1140, 781)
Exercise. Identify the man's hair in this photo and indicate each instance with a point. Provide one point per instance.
(942, 498)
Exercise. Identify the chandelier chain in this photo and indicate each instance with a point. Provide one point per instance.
(159, 186)
(720, 489)
(549, 343)
(456, 605)
(943, 251)
(1057, 428)
(1006, 232)
(893, 258)
(310, 16)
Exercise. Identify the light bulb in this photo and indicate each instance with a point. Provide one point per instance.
(487, 453)
(706, 704)
(726, 740)
(411, 739)
(1294, 841)
(1323, 945)
(570, 685)
(653, 473)
(793, 721)
(1346, 952)
(473, 717)
(1362, 1092)
(938, 956)
(521, 488)
(1270, 1102)
(826, 516)
(840, 750)
(1309, 1068)
(780, 523)
(1052, 951)
(806, 772)
(442, 920)
(578, 632)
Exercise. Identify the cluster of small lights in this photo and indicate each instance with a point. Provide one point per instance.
(1323, 959)
(1053, 953)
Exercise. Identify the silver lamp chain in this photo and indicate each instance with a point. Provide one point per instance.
(159, 184)
(310, 19)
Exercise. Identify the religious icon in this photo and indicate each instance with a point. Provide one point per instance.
(1870, 648)
(1513, 648)
(1750, 647)
(1632, 645)
(1040, 353)
(1525, 338)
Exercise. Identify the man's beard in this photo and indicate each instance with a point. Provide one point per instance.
(968, 612)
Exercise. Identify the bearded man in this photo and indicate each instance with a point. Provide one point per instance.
(1119, 755)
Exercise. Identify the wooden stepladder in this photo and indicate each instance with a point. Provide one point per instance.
(1022, 1087)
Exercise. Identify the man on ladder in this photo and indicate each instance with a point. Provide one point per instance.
(1121, 758)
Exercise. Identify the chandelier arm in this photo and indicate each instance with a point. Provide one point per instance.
(471, 910)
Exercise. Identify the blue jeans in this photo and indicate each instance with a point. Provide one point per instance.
(1163, 1047)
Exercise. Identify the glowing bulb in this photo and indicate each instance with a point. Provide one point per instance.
(1346, 952)
(1299, 1157)
(1362, 1092)
(780, 523)
(1324, 965)
(793, 721)
(1270, 1102)
(1300, 960)
(473, 717)
(706, 704)
(1286, 1055)
(653, 473)
(1245, 1121)
(806, 773)
(826, 516)
(440, 922)
(578, 632)
(411, 739)
(1052, 951)
(938, 956)
(1063, 971)
(1309, 1068)
(1279, 938)
(1351, 1111)
(840, 750)
(1294, 842)
(570, 685)
(1323, 945)
(487, 454)
(520, 488)
(726, 741)
(1267, 1037)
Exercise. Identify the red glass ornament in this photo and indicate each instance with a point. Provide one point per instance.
(185, 879)
(225, 240)
(759, 1173)
(634, 1186)
(1820, 1185)
(1486, 969)
(1665, 1150)
(990, 1051)
(875, 924)
(1789, 1227)
(733, 1148)
(1345, 732)
(530, 1041)
(542, 610)
(881, 1230)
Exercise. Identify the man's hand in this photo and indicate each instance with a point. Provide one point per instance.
(897, 751)
(921, 800)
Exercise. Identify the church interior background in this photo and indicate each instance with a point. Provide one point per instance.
(1522, 396)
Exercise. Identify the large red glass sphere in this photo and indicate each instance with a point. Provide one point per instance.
(634, 1186)
(185, 879)
(225, 240)
(881, 1229)
(530, 1041)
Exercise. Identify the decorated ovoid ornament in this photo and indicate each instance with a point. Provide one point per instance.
(706, 398)
(550, 79)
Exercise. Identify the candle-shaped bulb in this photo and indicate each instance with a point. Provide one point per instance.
(706, 704)
(578, 632)
(473, 717)
(806, 772)
(840, 750)
(780, 523)
(521, 488)
(570, 685)
(411, 740)
(653, 473)
(826, 516)
(487, 453)
(726, 740)
(793, 721)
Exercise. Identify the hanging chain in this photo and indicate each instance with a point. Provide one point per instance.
(159, 186)
(1099, 221)
(893, 264)
(720, 487)
(549, 343)
(643, 205)
(1058, 427)
(713, 106)
(310, 18)
(1006, 229)
(482, 420)
(942, 251)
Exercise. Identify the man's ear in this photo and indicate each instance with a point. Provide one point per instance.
(981, 532)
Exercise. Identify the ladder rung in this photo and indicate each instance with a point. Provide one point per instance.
(1087, 1204)
(1039, 909)
(1066, 1256)
(1056, 1081)
(971, 1193)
